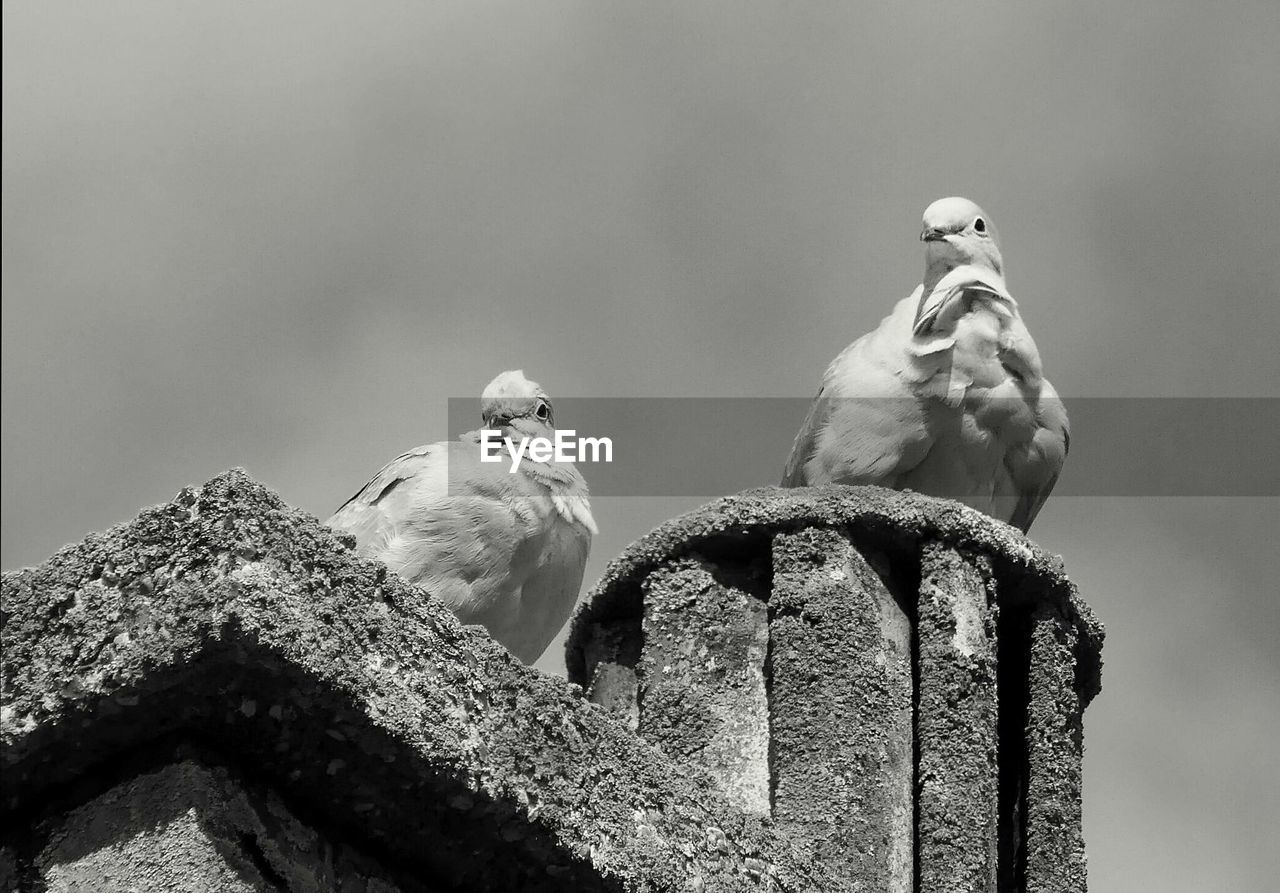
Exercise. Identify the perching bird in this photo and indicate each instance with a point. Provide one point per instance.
(947, 396)
(502, 548)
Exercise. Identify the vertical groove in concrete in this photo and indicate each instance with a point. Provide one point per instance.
(612, 651)
(840, 707)
(1055, 751)
(701, 678)
(956, 724)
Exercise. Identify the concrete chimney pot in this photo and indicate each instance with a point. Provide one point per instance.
(896, 681)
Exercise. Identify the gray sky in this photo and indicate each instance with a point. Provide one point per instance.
(282, 235)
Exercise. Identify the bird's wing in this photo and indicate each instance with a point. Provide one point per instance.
(1035, 469)
(865, 426)
(442, 519)
(364, 515)
(549, 593)
(793, 474)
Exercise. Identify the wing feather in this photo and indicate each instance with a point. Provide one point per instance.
(865, 425)
(364, 516)
(793, 474)
(1036, 471)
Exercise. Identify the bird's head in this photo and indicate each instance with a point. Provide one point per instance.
(513, 402)
(957, 232)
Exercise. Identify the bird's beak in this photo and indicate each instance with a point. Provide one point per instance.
(933, 235)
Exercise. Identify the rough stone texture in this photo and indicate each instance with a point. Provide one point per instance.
(841, 693)
(956, 725)
(1055, 858)
(702, 696)
(615, 651)
(889, 521)
(615, 688)
(187, 827)
(959, 576)
(228, 618)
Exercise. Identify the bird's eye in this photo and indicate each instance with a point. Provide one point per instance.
(979, 225)
(543, 411)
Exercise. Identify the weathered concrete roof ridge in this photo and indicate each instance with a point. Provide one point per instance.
(333, 673)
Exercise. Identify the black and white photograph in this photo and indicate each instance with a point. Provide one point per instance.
(682, 446)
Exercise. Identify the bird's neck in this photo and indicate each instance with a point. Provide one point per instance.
(937, 267)
(934, 270)
(941, 257)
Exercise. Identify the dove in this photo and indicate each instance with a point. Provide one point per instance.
(947, 396)
(502, 546)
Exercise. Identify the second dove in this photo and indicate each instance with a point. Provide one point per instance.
(947, 396)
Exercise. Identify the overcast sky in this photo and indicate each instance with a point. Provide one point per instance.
(281, 235)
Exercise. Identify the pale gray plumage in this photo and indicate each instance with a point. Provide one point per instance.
(503, 549)
(947, 396)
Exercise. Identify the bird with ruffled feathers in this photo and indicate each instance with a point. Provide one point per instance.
(947, 396)
(504, 549)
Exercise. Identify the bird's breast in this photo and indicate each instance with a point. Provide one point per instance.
(986, 346)
(977, 346)
(984, 385)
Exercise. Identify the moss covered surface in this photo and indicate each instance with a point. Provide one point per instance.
(229, 618)
(891, 522)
